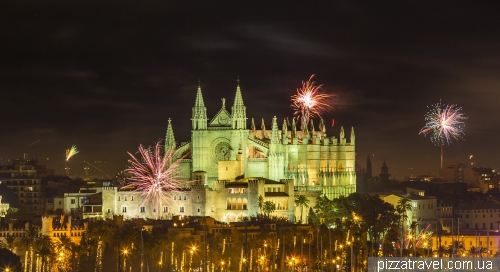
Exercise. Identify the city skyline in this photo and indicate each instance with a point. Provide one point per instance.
(107, 78)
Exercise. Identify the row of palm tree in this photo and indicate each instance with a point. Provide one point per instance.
(355, 224)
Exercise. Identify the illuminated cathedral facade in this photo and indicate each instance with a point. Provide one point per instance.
(232, 166)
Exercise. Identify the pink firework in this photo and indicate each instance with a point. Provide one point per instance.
(309, 102)
(444, 123)
(155, 174)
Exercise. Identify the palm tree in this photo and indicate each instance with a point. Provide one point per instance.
(268, 208)
(65, 247)
(161, 250)
(261, 203)
(28, 241)
(10, 242)
(302, 201)
(44, 249)
(402, 208)
(99, 232)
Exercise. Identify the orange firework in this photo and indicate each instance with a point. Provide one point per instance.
(309, 102)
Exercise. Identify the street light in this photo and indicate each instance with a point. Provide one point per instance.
(142, 250)
(125, 253)
(191, 252)
(353, 266)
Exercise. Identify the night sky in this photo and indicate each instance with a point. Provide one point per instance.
(106, 75)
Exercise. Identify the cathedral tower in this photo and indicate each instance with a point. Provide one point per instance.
(199, 121)
(169, 138)
(238, 111)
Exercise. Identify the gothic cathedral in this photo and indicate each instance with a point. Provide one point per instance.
(223, 148)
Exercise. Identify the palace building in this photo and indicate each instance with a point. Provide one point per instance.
(231, 165)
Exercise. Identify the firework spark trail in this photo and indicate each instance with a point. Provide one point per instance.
(309, 102)
(33, 143)
(70, 152)
(97, 168)
(154, 174)
(444, 123)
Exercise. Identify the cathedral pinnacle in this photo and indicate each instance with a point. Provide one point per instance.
(274, 132)
(353, 137)
(169, 138)
(199, 112)
(238, 110)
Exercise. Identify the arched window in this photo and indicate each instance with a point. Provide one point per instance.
(245, 204)
(240, 205)
(228, 206)
(234, 204)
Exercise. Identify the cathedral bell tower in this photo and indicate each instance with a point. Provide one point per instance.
(199, 117)
(199, 146)
(238, 111)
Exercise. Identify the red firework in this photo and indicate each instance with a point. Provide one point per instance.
(155, 174)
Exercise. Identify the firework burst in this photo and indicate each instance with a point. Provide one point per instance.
(309, 102)
(444, 123)
(155, 174)
(70, 152)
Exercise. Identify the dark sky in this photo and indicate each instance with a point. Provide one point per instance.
(106, 75)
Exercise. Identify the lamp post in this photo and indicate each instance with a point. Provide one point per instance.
(222, 265)
(142, 250)
(125, 253)
(412, 240)
(191, 252)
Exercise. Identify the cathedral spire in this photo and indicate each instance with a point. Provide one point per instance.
(263, 128)
(342, 134)
(353, 137)
(284, 131)
(294, 129)
(322, 126)
(169, 138)
(275, 138)
(312, 128)
(199, 117)
(238, 110)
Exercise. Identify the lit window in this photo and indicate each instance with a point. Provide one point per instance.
(124, 209)
(165, 209)
(143, 209)
(181, 209)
